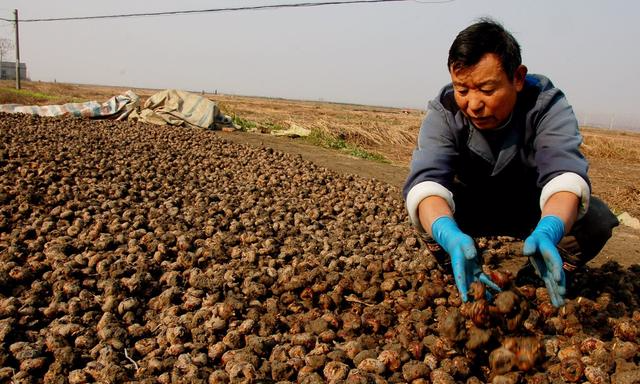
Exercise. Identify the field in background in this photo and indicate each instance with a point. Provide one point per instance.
(367, 131)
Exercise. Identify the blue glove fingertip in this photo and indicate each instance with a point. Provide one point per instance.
(538, 266)
(459, 273)
(562, 284)
(557, 275)
(555, 292)
(469, 251)
(462, 288)
(557, 300)
(529, 247)
(489, 283)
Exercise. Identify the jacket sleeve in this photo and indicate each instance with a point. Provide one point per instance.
(557, 150)
(432, 163)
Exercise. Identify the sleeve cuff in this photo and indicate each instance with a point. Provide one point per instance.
(420, 192)
(568, 182)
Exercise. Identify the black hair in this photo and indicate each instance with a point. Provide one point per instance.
(485, 36)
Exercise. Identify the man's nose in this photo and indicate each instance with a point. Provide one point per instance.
(476, 104)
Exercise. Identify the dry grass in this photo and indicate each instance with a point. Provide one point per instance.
(612, 145)
(390, 132)
(24, 97)
(43, 93)
(614, 157)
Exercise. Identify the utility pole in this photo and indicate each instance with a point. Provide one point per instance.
(15, 11)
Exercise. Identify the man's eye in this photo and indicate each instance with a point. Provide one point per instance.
(487, 91)
(462, 91)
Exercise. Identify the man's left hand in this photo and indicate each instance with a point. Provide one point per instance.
(541, 249)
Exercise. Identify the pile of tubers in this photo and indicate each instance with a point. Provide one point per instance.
(132, 252)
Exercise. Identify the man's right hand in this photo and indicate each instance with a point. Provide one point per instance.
(462, 250)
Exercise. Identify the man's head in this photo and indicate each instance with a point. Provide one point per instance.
(487, 73)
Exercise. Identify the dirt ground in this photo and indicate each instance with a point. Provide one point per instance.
(623, 247)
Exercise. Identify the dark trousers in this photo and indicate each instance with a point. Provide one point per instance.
(488, 215)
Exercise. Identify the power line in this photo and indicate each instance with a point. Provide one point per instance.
(231, 9)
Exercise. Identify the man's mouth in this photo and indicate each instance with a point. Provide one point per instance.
(481, 120)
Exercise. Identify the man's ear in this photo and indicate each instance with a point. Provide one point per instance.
(519, 76)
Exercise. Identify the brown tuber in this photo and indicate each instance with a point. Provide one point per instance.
(131, 252)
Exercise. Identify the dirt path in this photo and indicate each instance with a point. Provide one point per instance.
(335, 160)
(624, 246)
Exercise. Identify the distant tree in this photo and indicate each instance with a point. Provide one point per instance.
(5, 46)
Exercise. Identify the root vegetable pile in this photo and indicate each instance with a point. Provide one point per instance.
(155, 254)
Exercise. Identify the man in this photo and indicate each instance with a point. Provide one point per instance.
(498, 154)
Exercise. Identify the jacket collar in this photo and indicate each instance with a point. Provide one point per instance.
(478, 144)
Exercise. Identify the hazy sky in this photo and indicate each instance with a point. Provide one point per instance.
(390, 54)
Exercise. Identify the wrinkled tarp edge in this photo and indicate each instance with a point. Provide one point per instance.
(173, 107)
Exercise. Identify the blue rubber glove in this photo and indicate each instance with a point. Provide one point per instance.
(541, 249)
(462, 250)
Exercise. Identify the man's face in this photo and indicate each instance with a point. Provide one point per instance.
(484, 93)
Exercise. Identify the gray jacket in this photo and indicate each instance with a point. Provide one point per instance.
(539, 142)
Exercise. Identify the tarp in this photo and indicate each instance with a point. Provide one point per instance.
(626, 219)
(118, 107)
(168, 107)
(174, 107)
(293, 131)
